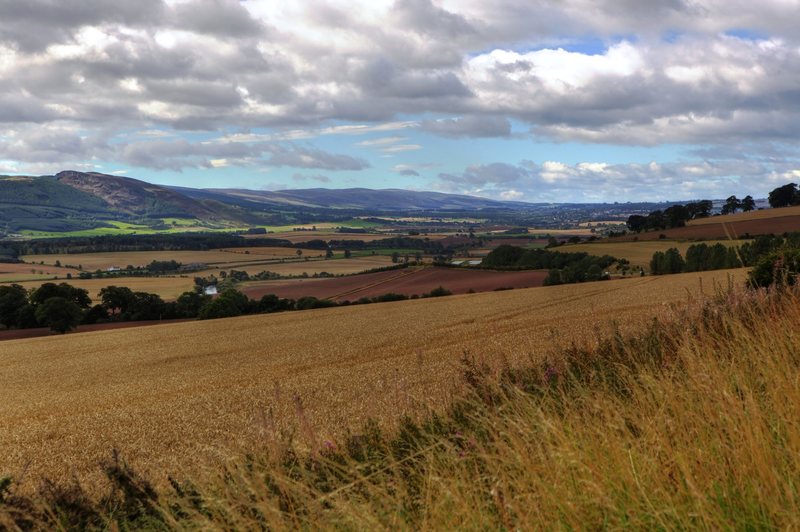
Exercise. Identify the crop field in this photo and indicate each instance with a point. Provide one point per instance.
(299, 237)
(102, 261)
(338, 266)
(639, 253)
(169, 288)
(173, 397)
(764, 214)
(768, 221)
(11, 273)
(408, 282)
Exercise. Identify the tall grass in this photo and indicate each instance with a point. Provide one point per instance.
(692, 423)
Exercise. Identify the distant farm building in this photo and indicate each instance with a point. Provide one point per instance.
(210, 290)
(113, 269)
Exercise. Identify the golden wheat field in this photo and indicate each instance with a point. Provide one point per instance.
(640, 253)
(105, 260)
(168, 288)
(174, 396)
(11, 273)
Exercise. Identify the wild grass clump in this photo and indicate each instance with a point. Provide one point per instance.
(694, 422)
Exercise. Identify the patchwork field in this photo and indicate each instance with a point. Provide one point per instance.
(408, 282)
(102, 261)
(639, 253)
(338, 266)
(173, 397)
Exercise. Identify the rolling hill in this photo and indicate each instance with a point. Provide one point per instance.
(71, 200)
(353, 198)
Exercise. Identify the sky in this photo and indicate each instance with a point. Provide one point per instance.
(529, 100)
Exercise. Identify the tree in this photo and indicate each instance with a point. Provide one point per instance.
(748, 204)
(79, 296)
(190, 303)
(329, 253)
(12, 299)
(219, 308)
(700, 209)
(347, 254)
(784, 196)
(117, 300)
(395, 257)
(299, 253)
(60, 314)
(667, 262)
(731, 205)
(777, 268)
(676, 216)
(636, 223)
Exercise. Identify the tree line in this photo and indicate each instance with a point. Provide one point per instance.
(678, 215)
(563, 267)
(703, 257)
(62, 307)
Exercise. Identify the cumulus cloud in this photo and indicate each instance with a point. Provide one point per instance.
(703, 72)
(598, 181)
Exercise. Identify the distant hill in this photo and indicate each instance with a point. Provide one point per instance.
(135, 197)
(71, 201)
(353, 198)
(45, 203)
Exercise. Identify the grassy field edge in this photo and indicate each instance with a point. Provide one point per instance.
(691, 422)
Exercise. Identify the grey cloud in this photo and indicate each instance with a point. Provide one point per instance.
(35, 24)
(299, 157)
(227, 18)
(318, 178)
(469, 126)
(592, 182)
(228, 68)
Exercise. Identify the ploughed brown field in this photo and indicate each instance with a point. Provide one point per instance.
(173, 397)
(408, 282)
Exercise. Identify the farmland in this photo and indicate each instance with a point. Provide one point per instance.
(169, 287)
(15, 272)
(170, 397)
(411, 281)
(103, 261)
(731, 226)
(638, 253)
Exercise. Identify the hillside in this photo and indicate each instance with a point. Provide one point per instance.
(169, 397)
(355, 198)
(44, 202)
(134, 197)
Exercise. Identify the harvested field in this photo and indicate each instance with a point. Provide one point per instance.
(103, 261)
(730, 226)
(639, 253)
(408, 281)
(169, 288)
(763, 214)
(11, 273)
(173, 397)
(297, 237)
(19, 334)
(335, 266)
